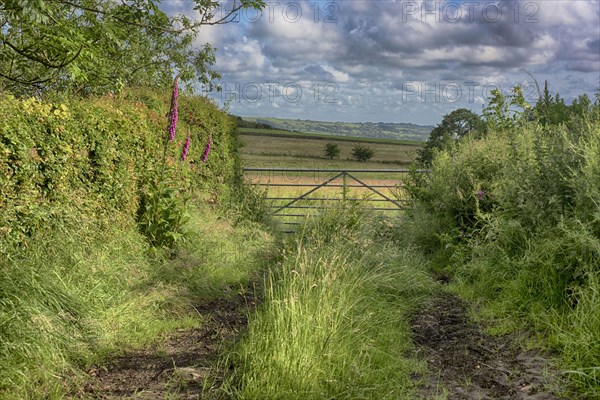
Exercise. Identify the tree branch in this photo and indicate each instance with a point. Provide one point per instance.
(156, 27)
(45, 63)
(21, 82)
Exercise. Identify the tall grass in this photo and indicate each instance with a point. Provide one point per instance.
(334, 319)
(90, 288)
(515, 218)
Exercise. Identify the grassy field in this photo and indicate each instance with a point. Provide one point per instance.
(90, 290)
(284, 149)
(322, 136)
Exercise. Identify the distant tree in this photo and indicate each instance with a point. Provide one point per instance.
(331, 151)
(362, 153)
(453, 127)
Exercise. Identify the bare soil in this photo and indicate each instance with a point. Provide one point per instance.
(180, 367)
(465, 363)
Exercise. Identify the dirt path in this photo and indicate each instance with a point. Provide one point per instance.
(465, 363)
(470, 364)
(179, 367)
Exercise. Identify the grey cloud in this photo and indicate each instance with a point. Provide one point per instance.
(584, 66)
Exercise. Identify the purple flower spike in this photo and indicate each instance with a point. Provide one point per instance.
(207, 149)
(173, 112)
(480, 194)
(186, 147)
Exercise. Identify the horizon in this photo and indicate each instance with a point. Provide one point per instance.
(335, 122)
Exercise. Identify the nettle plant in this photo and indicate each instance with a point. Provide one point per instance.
(163, 210)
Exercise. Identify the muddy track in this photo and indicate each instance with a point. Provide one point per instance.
(178, 367)
(464, 362)
(469, 364)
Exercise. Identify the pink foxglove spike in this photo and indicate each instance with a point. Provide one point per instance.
(186, 146)
(207, 149)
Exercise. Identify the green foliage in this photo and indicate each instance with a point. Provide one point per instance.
(362, 153)
(88, 290)
(248, 204)
(91, 46)
(102, 155)
(514, 217)
(506, 112)
(331, 150)
(79, 180)
(162, 216)
(242, 123)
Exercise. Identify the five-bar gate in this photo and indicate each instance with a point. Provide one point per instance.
(292, 197)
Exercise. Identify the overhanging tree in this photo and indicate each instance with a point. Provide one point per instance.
(100, 45)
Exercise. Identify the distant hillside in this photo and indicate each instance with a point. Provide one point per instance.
(383, 130)
(242, 123)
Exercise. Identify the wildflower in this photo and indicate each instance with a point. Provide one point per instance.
(480, 194)
(173, 112)
(186, 146)
(207, 149)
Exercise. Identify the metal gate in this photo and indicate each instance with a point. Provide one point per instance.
(342, 185)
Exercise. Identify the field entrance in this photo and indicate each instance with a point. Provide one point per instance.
(295, 194)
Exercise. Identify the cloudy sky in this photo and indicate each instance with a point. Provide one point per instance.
(399, 61)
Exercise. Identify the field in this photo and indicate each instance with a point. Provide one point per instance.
(328, 137)
(297, 151)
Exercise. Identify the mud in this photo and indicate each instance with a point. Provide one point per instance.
(181, 366)
(465, 363)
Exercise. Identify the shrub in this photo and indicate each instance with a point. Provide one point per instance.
(331, 151)
(515, 217)
(362, 153)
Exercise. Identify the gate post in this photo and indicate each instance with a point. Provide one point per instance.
(345, 180)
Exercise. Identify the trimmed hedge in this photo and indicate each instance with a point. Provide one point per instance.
(76, 158)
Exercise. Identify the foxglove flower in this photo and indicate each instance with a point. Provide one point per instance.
(207, 149)
(173, 112)
(186, 147)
